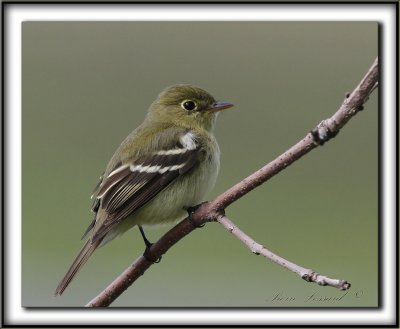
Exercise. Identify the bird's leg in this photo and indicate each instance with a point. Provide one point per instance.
(191, 210)
(148, 246)
(146, 241)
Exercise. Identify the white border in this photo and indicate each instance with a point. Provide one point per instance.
(15, 14)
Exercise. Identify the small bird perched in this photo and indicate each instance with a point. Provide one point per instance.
(163, 168)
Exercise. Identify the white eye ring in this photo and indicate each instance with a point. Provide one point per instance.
(189, 105)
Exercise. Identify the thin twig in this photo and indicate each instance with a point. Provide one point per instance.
(258, 249)
(326, 130)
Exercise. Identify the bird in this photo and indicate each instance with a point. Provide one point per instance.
(161, 170)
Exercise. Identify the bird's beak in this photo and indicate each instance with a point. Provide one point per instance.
(219, 106)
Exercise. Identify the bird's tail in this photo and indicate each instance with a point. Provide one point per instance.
(79, 261)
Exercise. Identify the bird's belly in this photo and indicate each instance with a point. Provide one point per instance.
(171, 203)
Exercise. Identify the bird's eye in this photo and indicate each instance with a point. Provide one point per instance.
(189, 105)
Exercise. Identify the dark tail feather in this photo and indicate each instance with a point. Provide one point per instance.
(79, 261)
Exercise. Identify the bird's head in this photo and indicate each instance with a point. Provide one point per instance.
(187, 106)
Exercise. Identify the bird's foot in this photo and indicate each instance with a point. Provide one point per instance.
(191, 210)
(148, 258)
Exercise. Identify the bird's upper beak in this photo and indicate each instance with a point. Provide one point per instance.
(219, 106)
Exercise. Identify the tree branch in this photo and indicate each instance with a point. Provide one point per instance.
(214, 210)
(258, 249)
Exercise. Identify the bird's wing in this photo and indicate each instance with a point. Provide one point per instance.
(132, 185)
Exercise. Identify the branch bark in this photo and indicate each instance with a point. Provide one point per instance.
(306, 274)
(214, 210)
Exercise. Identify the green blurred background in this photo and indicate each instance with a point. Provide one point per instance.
(87, 85)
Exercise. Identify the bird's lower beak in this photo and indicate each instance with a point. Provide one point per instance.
(219, 106)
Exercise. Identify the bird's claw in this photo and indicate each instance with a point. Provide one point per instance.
(190, 211)
(150, 259)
